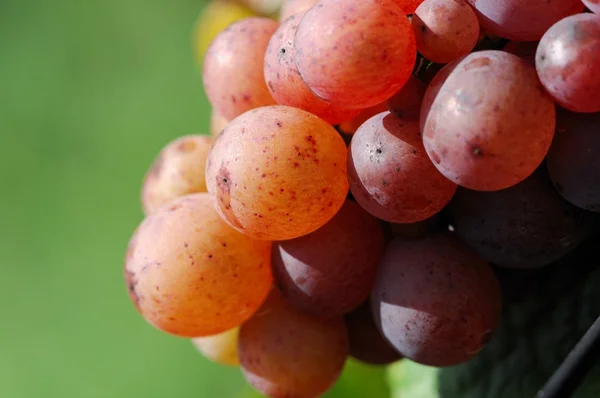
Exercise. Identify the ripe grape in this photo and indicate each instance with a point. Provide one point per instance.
(567, 59)
(284, 81)
(177, 171)
(433, 89)
(331, 271)
(491, 124)
(234, 64)
(355, 54)
(350, 126)
(390, 174)
(574, 159)
(435, 300)
(523, 49)
(293, 7)
(220, 348)
(445, 29)
(525, 226)
(287, 353)
(522, 20)
(277, 173)
(217, 123)
(366, 342)
(416, 230)
(406, 103)
(593, 5)
(190, 274)
(408, 6)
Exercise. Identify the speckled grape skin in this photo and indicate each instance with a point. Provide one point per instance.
(217, 123)
(408, 6)
(445, 29)
(233, 67)
(390, 174)
(177, 171)
(433, 89)
(293, 7)
(287, 353)
(221, 348)
(522, 20)
(190, 274)
(331, 271)
(435, 300)
(355, 54)
(366, 342)
(491, 124)
(525, 226)
(567, 61)
(593, 5)
(406, 103)
(277, 173)
(284, 81)
(523, 49)
(574, 159)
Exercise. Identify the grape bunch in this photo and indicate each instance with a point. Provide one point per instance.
(371, 166)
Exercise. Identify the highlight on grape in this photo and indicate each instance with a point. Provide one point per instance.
(369, 168)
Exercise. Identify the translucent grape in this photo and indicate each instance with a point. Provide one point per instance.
(406, 103)
(355, 54)
(233, 67)
(287, 353)
(390, 174)
(331, 271)
(177, 171)
(293, 7)
(277, 173)
(567, 62)
(435, 300)
(491, 124)
(284, 81)
(445, 29)
(190, 274)
(574, 159)
(525, 226)
(522, 20)
(220, 348)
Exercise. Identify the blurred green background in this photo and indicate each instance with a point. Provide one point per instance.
(89, 93)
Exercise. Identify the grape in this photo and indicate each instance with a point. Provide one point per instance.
(567, 59)
(525, 50)
(390, 174)
(433, 89)
(406, 103)
(435, 300)
(593, 5)
(445, 29)
(574, 159)
(190, 274)
(287, 353)
(366, 342)
(234, 64)
(217, 123)
(177, 171)
(284, 81)
(350, 126)
(220, 348)
(331, 271)
(525, 226)
(522, 20)
(491, 124)
(277, 173)
(416, 230)
(293, 7)
(409, 6)
(355, 54)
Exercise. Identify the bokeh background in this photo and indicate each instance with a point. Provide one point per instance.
(89, 93)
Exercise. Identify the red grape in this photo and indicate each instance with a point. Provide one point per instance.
(433, 89)
(593, 5)
(408, 6)
(350, 126)
(567, 61)
(491, 124)
(355, 54)
(406, 103)
(523, 49)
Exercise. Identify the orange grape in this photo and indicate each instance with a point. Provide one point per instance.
(355, 54)
(350, 126)
(220, 348)
(233, 67)
(409, 6)
(190, 274)
(287, 353)
(277, 173)
(178, 170)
